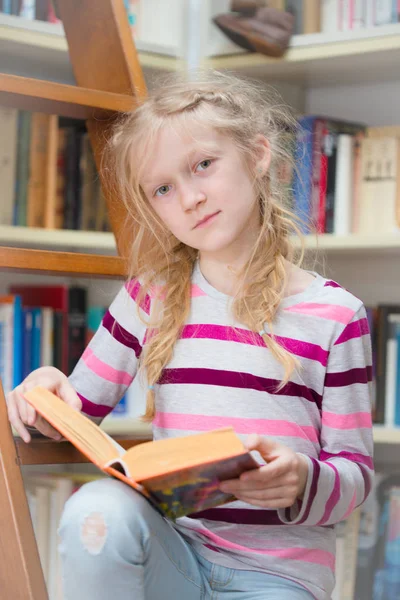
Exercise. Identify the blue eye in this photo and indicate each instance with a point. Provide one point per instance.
(204, 164)
(164, 189)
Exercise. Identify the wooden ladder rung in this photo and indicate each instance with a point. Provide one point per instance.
(57, 98)
(61, 263)
(43, 451)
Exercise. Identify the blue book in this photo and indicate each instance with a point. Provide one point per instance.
(302, 177)
(18, 342)
(397, 397)
(7, 7)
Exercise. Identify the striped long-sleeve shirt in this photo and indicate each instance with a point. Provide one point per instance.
(223, 374)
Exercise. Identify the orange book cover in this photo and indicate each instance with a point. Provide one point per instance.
(178, 476)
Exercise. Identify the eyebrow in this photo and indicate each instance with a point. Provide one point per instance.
(206, 148)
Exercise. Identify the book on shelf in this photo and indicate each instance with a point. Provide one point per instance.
(178, 476)
(48, 173)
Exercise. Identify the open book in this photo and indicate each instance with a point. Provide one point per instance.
(178, 476)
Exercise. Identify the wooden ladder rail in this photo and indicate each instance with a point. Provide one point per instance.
(109, 80)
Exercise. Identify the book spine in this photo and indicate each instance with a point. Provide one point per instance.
(302, 180)
(22, 169)
(27, 343)
(18, 342)
(36, 338)
(76, 325)
(8, 155)
(343, 185)
(397, 395)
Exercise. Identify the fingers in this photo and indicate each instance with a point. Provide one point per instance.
(15, 418)
(46, 429)
(68, 394)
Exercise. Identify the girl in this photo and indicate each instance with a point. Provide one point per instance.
(227, 330)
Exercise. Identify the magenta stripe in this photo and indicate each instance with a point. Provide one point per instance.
(120, 334)
(331, 283)
(353, 330)
(244, 336)
(133, 288)
(313, 490)
(353, 456)
(241, 516)
(333, 498)
(236, 379)
(94, 410)
(360, 375)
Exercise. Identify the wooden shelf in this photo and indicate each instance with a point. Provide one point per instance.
(61, 263)
(66, 100)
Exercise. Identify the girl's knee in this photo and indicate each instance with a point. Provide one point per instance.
(99, 509)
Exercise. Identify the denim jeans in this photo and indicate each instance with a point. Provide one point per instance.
(115, 546)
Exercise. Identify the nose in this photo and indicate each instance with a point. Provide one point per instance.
(191, 196)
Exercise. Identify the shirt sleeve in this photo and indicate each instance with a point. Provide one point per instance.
(109, 363)
(340, 479)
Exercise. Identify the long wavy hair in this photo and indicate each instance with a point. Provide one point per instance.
(241, 110)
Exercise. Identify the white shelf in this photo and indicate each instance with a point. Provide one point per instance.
(131, 426)
(57, 238)
(354, 57)
(386, 435)
(94, 240)
(320, 58)
(39, 49)
(381, 242)
(120, 426)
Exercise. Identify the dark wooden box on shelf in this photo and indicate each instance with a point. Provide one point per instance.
(109, 80)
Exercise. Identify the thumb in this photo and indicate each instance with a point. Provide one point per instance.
(70, 397)
(264, 445)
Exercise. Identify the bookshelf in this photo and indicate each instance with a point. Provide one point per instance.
(313, 59)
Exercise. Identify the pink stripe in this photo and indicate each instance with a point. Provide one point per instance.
(260, 426)
(332, 312)
(104, 370)
(350, 421)
(352, 506)
(318, 557)
(244, 336)
(197, 291)
(333, 498)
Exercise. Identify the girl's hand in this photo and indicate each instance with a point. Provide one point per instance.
(274, 485)
(21, 413)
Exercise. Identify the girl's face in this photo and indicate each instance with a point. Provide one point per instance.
(204, 197)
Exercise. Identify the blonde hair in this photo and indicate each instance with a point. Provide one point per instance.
(240, 110)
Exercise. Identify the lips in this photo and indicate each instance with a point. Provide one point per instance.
(206, 219)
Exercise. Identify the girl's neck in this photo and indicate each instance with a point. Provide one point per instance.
(222, 275)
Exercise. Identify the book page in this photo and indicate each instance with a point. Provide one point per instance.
(86, 436)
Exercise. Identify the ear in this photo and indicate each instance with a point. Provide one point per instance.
(263, 153)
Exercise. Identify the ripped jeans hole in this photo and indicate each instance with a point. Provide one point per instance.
(93, 533)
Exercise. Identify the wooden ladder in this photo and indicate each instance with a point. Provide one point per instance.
(109, 81)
